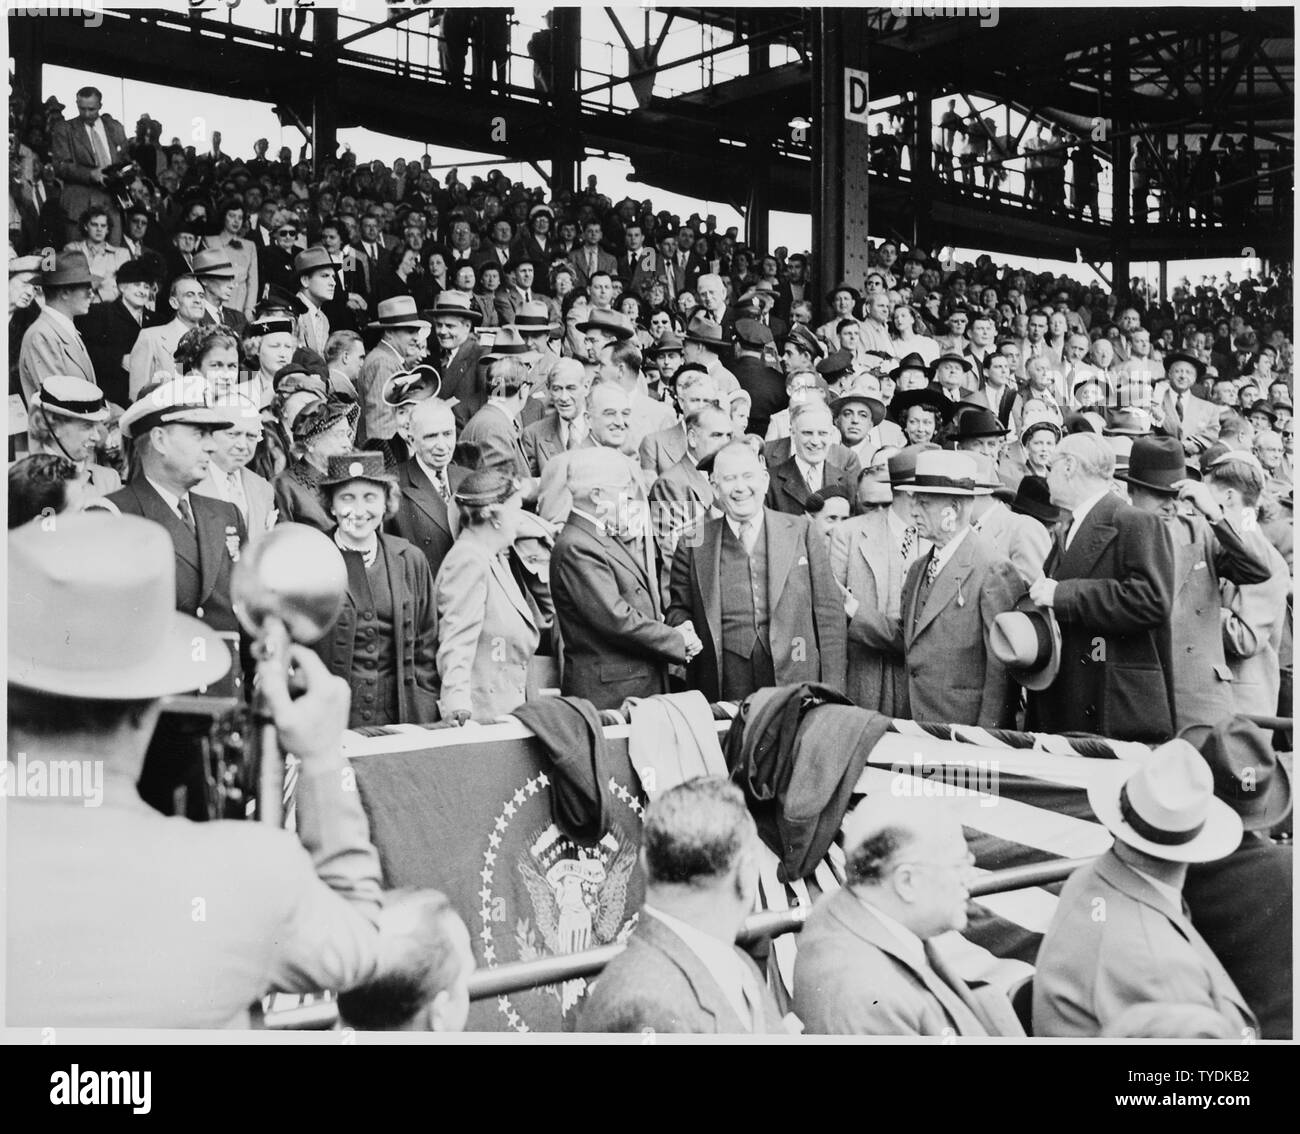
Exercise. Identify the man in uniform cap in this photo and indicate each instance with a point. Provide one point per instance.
(52, 344)
(171, 431)
(764, 385)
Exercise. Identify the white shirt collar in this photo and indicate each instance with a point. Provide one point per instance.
(720, 959)
(943, 554)
(598, 523)
(911, 946)
(1082, 511)
(805, 469)
(430, 471)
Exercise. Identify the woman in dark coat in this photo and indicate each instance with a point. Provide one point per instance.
(384, 644)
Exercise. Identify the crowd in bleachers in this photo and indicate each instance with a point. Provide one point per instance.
(567, 437)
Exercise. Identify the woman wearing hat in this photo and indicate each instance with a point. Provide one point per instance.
(383, 642)
(104, 258)
(1033, 455)
(487, 628)
(65, 418)
(843, 302)
(268, 345)
(920, 414)
(323, 429)
(277, 259)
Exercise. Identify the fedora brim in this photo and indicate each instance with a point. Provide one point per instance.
(176, 667)
(609, 329)
(533, 328)
(1038, 678)
(1220, 836)
(475, 317)
(943, 490)
(1163, 489)
(402, 324)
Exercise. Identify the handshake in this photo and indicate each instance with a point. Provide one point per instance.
(692, 640)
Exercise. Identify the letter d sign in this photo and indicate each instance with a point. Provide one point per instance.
(855, 96)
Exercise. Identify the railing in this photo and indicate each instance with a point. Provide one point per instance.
(505, 979)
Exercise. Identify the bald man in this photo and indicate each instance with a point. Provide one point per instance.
(815, 463)
(426, 515)
(606, 605)
(758, 587)
(867, 964)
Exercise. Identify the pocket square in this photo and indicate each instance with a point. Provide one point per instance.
(1200, 566)
(803, 561)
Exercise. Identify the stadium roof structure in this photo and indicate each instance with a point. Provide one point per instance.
(1107, 74)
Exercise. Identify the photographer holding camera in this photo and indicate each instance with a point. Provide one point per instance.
(118, 915)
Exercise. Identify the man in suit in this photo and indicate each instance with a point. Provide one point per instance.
(458, 352)
(93, 937)
(1143, 949)
(1181, 414)
(950, 599)
(52, 344)
(426, 512)
(764, 385)
(649, 414)
(870, 557)
(757, 586)
(375, 245)
(606, 602)
(82, 150)
(495, 251)
(811, 466)
(565, 425)
(400, 329)
(495, 428)
(1254, 615)
(172, 432)
(216, 275)
(682, 971)
(637, 264)
(1207, 549)
(661, 450)
(869, 962)
(589, 257)
(1242, 904)
(609, 413)
(685, 263)
(1110, 579)
(228, 476)
(682, 497)
(521, 274)
(110, 330)
(153, 358)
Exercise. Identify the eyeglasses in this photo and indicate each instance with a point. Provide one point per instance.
(286, 232)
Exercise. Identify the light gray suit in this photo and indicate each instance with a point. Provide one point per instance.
(154, 355)
(258, 494)
(49, 347)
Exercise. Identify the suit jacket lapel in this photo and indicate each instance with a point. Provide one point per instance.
(1089, 541)
(792, 482)
(782, 543)
(952, 576)
(708, 576)
(211, 535)
(153, 506)
(424, 496)
(707, 990)
(876, 545)
(507, 583)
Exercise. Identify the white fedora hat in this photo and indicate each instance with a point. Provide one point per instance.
(947, 473)
(1166, 807)
(92, 612)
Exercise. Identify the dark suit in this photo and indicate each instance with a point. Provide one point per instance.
(805, 617)
(765, 387)
(852, 976)
(234, 321)
(607, 613)
(660, 983)
(787, 490)
(461, 379)
(1241, 905)
(1114, 601)
(684, 278)
(497, 436)
(604, 263)
(422, 517)
(110, 331)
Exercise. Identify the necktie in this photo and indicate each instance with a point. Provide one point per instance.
(813, 478)
(101, 147)
(370, 251)
(591, 260)
(909, 542)
(183, 507)
(932, 570)
(1182, 407)
(237, 496)
(440, 483)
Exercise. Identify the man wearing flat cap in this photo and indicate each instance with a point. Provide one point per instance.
(171, 432)
(1143, 949)
(52, 344)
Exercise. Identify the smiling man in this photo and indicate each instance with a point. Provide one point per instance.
(153, 356)
(810, 467)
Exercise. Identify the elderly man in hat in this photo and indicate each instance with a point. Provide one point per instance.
(870, 558)
(1242, 904)
(1090, 968)
(757, 586)
(950, 599)
(400, 328)
(1110, 580)
(704, 344)
(764, 384)
(94, 939)
(64, 418)
(215, 272)
(1207, 548)
(602, 331)
(52, 344)
(1178, 412)
(949, 374)
(153, 358)
(859, 414)
(111, 329)
(317, 278)
(456, 353)
(869, 962)
(495, 428)
(172, 433)
(229, 477)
